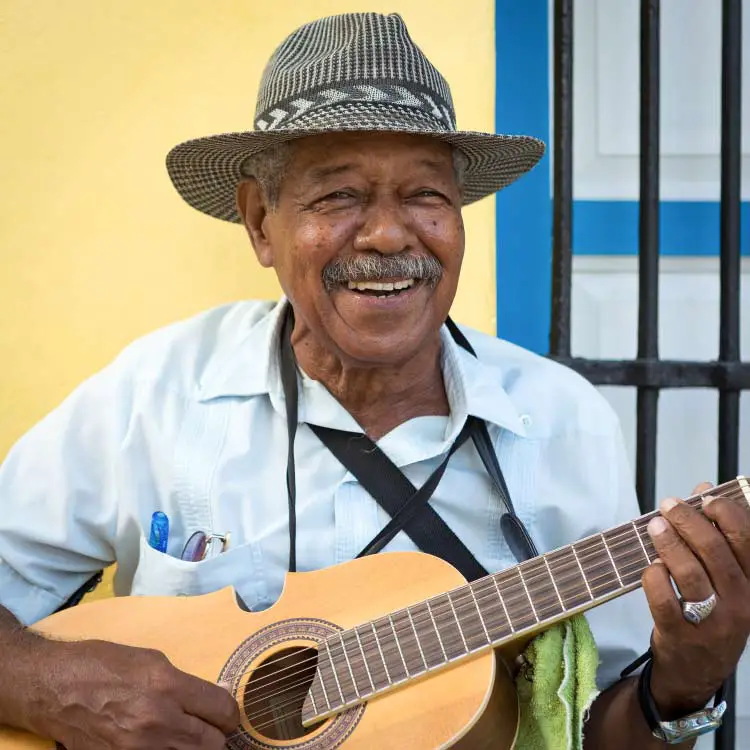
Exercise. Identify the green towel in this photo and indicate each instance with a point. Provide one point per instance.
(556, 686)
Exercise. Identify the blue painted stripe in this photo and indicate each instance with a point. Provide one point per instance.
(524, 212)
(685, 228)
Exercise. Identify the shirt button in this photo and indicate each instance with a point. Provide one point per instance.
(526, 420)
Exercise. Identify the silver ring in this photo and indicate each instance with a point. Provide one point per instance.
(696, 612)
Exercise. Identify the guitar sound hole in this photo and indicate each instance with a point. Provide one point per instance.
(274, 694)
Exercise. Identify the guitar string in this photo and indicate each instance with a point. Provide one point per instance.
(410, 655)
(541, 604)
(570, 566)
(628, 531)
(420, 618)
(525, 610)
(407, 657)
(408, 650)
(354, 684)
(403, 629)
(595, 539)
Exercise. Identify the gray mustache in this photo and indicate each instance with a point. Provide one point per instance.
(373, 267)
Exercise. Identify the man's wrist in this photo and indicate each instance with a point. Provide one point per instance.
(35, 673)
(676, 700)
(684, 727)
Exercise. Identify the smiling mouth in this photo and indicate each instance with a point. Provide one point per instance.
(382, 288)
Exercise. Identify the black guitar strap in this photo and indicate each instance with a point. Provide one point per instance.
(408, 506)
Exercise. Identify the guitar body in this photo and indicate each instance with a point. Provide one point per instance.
(470, 705)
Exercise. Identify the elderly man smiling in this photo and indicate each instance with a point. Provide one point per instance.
(231, 424)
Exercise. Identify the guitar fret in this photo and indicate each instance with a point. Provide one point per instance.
(416, 637)
(541, 587)
(552, 578)
(611, 559)
(643, 546)
(342, 668)
(409, 641)
(652, 553)
(448, 627)
(567, 575)
(583, 575)
(365, 660)
(321, 662)
(495, 621)
(380, 651)
(528, 596)
(437, 630)
(312, 700)
(470, 619)
(458, 623)
(391, 650)
(597, 565)
(358, 662)
(479, 612)
(349, 665)
(520, 612)
(647, 543)
(502, 601)
(398, 645)
(627, 549)
(334, 670)
(428, 639)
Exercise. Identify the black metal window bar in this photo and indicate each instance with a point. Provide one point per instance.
(647, 372)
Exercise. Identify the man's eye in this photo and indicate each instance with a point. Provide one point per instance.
(337, 195)
(428, 193)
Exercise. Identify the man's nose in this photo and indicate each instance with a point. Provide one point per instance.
(385, 230)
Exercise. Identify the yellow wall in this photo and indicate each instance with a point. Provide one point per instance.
(95, 246)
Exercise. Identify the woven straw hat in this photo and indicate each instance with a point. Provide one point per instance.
(352, 72)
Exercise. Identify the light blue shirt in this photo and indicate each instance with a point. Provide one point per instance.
(191, 420)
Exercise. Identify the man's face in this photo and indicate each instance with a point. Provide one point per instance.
(362, 209)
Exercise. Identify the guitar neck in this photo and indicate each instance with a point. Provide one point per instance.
(487, 613)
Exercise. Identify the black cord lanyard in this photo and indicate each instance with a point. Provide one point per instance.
(390, 488)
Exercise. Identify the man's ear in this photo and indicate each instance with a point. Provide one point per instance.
(252, 207)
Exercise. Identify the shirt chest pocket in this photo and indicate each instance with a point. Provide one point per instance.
(159, 574)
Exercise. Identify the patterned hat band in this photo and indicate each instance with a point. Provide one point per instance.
(351, 72)
(299, 113)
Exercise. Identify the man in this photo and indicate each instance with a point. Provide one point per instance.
(351, 188)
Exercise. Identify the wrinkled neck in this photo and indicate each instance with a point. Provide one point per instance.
(379, 397)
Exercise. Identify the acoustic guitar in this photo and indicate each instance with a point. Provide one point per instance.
(393, 650)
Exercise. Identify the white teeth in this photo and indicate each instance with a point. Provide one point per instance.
(379, 286)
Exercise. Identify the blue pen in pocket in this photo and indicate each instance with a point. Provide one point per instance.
(159, 534)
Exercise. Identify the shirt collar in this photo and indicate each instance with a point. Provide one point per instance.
(250, 367)
(475, 388)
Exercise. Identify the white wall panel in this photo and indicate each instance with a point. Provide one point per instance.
(604, 325)
(606, 99)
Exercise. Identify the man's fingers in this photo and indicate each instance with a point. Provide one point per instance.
(684, 567)
(710, 548)
(732, 516)
(199, 734)
(665, 609)
(702, 487)
(212, 703)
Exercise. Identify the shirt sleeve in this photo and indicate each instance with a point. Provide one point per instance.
(58, 504)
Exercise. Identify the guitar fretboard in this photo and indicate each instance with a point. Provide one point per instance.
(361, 662)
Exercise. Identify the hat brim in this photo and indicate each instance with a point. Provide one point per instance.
(206, 171)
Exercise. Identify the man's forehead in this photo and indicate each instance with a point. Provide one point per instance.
(333, 154)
